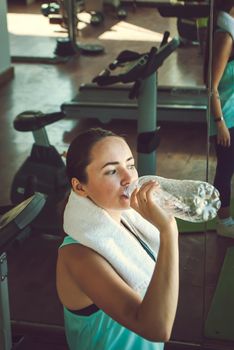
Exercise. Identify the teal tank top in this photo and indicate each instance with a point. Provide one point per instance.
(99, 331)
(226, 94)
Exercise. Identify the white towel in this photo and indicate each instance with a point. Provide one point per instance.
(226, 22)
(93, 227)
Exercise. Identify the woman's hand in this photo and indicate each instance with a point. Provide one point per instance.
(143, 201)
(223, 135)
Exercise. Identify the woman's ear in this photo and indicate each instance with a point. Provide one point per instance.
(78, 187)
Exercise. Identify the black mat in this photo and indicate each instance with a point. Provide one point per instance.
(34, 49)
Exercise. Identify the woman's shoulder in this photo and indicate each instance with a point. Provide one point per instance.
(70, 250)
(223, 43)
(223, 34)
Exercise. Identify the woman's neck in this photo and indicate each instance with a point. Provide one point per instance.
(115, 215)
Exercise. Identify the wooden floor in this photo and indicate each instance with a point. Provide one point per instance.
(35, 308)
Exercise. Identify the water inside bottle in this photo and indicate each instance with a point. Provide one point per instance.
(189, 200)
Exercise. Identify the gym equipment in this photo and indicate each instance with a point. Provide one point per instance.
(51, 8)
(220, 320)
(13, 224)
(56, 12)
(176, 104)
(69, 46)
(190, 15)
(139, 69)
(96, 18)
(191, 19)
(65, 48)
(191, 30)
(121, 12)
(43, 171)
(175, 8)
(64, 12)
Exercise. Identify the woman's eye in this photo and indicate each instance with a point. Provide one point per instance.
(110, 172)
(131, 166)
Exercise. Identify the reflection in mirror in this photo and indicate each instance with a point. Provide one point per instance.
(220, 81)
(219, 78)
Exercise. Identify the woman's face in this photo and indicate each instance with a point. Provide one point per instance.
(111, 169)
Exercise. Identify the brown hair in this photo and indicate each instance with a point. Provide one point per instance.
(78, 154)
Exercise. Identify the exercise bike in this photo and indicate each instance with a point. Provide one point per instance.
(43, 171)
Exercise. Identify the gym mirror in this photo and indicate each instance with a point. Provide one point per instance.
(219, 238)
(209, 255)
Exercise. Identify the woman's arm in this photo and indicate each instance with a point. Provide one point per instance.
(222, 48)
(152, 317)
(160, 302)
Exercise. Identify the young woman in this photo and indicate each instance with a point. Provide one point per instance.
(222, 103)
(117, 270)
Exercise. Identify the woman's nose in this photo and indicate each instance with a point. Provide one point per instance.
(125, 177)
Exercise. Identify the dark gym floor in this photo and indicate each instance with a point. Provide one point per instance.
(35, 309)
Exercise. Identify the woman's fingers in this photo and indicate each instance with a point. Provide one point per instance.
(141, 196)
(224, 142)
(223, 138)
(143, 199)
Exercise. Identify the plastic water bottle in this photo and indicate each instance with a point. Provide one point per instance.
(189, 200)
